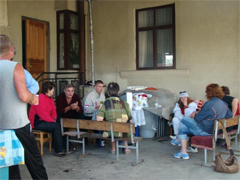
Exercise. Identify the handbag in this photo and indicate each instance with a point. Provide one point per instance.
(231, 164)
(11, 149)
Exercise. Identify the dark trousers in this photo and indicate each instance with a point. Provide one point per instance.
(33, 158)
(55, 129)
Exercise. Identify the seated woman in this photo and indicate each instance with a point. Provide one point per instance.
(203, 122)
(43, 117)
(233, 105)
(69, 104)
(231, 101)
(116, 110)
(183, 108)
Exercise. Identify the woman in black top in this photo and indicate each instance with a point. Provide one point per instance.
(230, 100)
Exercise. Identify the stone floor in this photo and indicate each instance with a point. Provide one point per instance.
(159, 163)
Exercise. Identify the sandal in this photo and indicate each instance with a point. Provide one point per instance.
(127, 151)
(72, 149)
(60, 154)
(113, 151)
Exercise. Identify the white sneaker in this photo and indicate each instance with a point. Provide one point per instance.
(192, 150)
(173, 137)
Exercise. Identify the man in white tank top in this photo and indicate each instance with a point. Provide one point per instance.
(13, 97)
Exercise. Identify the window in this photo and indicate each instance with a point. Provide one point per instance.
(155, 30)
(68, 46)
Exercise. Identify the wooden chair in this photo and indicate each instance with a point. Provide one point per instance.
(207, 142)
(42, 137)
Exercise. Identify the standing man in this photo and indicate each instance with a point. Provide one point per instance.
(93, 100)
(13, 97)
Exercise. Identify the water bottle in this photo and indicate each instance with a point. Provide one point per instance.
(156, 102)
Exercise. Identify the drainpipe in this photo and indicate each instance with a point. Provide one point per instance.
(91, 38)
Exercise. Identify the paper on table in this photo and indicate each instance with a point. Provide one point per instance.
(136, 88)
(130, 99)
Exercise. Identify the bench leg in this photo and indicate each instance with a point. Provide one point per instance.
(236, 138)
(205, 156)
(50, 142)
(117, 149)
(205, 159)
(137, 156)
(137, 153)
(83, 145)
(67, 139)
(41, 143)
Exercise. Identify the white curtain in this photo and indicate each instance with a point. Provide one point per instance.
(142, 38)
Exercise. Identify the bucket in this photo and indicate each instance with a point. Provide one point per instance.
(148, 130)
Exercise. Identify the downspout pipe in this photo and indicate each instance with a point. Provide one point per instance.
(92, 41)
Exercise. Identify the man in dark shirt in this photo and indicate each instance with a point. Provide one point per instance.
(69, 104)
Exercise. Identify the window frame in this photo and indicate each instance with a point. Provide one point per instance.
(154, 30)
(67, 36)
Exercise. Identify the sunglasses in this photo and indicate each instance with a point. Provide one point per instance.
(182, 92)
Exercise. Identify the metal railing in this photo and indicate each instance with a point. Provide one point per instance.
(60, 79)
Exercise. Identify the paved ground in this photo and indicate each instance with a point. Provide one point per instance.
(159, 163)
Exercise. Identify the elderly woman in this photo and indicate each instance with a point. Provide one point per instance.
(203, 122)
(116, 110)
(43, 117)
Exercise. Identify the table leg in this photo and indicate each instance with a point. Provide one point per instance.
(137, 131)
(99, 140)
(158, 127)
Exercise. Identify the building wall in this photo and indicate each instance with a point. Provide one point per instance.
(207, 41)
(207, 46)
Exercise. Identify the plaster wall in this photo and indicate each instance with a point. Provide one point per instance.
(207, 41)
(207, 46)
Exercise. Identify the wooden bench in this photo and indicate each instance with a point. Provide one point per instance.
(79, 124)
(207, 142)
(42, 137)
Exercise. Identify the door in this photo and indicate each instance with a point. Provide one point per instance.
(36, 47)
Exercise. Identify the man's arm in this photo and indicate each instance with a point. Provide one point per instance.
(101, 113)
(32, 84)
(21, 88)
(61, 109)
(80, 108)
(89, 106)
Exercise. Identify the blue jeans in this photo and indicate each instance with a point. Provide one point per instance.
(189, 126)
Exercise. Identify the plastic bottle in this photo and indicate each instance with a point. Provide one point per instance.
(156, 102)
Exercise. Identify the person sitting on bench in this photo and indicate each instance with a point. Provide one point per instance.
(233, 102)
(115, 110)
(92, 100)
(233, 105)
(69, 104)
(203, 122)
(183, 108)
(44, 116)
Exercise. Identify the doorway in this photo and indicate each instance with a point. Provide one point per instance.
(35, 47)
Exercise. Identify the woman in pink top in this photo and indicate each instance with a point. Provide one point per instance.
(43, 117)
